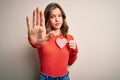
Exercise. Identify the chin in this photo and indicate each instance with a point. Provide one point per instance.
(57, 27)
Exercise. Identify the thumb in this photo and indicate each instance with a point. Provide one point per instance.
(50, 34)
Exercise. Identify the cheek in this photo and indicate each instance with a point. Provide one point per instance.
(52, 23)
(61, 20)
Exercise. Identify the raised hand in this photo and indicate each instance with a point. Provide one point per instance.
(36, 29)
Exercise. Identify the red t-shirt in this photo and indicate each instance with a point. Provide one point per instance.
(53, 59)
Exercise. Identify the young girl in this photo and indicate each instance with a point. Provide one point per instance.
(56, 48)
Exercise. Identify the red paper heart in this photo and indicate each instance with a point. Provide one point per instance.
(61, 42)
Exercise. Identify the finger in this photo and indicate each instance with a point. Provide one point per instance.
(42, 19)
(72, 46)
(34, 18)
(72, 42)
(50, 34)
(38, 16)
(28, 23)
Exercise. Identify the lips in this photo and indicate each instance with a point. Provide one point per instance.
(57, 24)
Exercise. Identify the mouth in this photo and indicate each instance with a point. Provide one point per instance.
(57, 24)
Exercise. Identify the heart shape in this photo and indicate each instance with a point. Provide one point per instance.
(61, 42)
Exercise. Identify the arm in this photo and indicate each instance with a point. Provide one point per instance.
(73, 50)
(72, 56)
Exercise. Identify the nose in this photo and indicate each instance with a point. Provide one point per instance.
(57, 19)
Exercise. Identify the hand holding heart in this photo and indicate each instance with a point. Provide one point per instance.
(62, 43)
(72, 44)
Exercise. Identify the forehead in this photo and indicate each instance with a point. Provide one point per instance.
(56, 11)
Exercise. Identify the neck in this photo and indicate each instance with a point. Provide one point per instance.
(57, 32)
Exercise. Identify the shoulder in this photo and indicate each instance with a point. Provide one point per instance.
(69, 37)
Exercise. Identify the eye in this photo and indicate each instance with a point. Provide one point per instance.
(52, 16)
(60, 15)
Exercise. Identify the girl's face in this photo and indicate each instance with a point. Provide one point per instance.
(56, 19)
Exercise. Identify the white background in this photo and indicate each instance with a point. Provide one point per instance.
(95, 25)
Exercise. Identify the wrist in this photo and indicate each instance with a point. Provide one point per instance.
(33, 40)
(41, 41)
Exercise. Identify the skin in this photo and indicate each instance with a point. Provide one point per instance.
(37, 30)
(56, 20)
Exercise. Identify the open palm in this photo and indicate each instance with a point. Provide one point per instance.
(36, 30)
